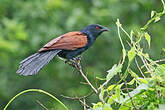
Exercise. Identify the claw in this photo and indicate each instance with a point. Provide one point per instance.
(78, 59)
(71, 62)
(75, 62)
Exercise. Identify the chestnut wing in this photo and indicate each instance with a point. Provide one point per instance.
(68, 41)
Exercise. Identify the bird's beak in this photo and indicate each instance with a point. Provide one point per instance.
(104, 29)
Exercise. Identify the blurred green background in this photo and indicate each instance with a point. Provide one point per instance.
(26, 25)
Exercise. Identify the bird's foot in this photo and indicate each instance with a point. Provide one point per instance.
(75, 62)
(71, 62)
(78, 61)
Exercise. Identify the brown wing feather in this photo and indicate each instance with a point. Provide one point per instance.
(68, 41)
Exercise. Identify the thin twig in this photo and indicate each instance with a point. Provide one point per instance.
(95, 80)
(102, 85)
(139, 67)
(77, 98)
(122, 104)
(41, 105)
(80, 70)
(160, 60)
(84, 104)
(136, 61)
(130, 95)
(76, 63)
(121, 58)
(145, 64)
(84, 83)
(157, 61)
(153, 19)
(127, 89)
(148, 66)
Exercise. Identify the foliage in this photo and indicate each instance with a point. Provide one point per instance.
(26, 25)
(145, 90)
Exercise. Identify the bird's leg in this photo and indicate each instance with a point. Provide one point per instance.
(71, 62)
(75, 62)
(78, 61)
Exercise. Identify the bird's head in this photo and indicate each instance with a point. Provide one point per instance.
(94, 30)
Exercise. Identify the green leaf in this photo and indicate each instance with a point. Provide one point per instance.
(110, 87)
(131, 82)
(101, 95)
(102, 79)
(160, 71)
(131, 35)
(136, 91)
(123, 107)
(113, 71)
(148, 38)
(117, 92)
(133, 74)
(131, 54)
(157, 19)
(142, 80)
(111, 99)
(146, 55)
(124, 54)
(107, 107)
(152, 13)
(98, 105)
(118, 23)
(161, 106)
(163, 49)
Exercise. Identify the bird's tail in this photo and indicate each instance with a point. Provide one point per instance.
(33, 64)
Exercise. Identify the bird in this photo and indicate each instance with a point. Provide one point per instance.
(67, 46)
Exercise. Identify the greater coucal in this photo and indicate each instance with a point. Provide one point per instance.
(67, 46)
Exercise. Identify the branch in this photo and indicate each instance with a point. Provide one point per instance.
(76, 64)
(153, 19)
(139, 68)
(41, 105)
(130, 96)
(79, 99)
(84, 105)
(146, 65)
(94, 89)
(160, 60)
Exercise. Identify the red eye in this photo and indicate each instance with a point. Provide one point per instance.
(97, 27)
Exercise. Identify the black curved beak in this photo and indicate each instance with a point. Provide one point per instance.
(104, 29)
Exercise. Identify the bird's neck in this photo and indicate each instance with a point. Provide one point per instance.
(90, 35)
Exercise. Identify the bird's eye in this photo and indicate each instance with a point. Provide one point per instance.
(97, 27)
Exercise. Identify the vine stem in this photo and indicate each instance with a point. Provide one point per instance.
(152, 19)
(118, 31)
(125, 82)
(34, 90)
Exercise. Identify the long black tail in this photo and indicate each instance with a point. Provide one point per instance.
(33, 64)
